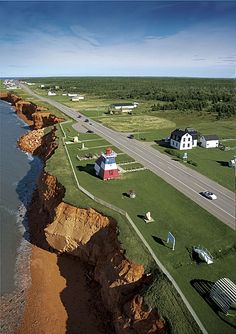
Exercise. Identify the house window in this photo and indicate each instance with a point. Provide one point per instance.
(188, 145)
(183, 145)
(189, 139)
(184, 139)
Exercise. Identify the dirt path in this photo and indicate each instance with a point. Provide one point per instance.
(59, 300)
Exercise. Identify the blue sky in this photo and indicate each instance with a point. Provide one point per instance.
(124, 38)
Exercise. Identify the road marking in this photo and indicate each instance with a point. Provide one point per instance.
(69, 110)
(164, 172)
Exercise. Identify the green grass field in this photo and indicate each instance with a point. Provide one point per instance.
(168, 207)
(173, 212)
(136, 123)
(212, 163)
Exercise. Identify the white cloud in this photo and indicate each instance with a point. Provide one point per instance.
(81, 54)
(84, 34)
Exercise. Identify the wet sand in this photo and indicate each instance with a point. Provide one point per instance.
(61, 299)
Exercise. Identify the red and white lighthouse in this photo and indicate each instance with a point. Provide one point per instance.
(105, 166)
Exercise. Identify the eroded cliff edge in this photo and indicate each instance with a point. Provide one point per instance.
(92, 237)
(35, 116)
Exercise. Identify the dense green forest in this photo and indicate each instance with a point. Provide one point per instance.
(197, 94)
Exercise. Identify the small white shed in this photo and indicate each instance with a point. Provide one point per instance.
(209, 141)
(51, 93)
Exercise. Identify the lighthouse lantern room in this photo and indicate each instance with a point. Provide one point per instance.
(105, 166)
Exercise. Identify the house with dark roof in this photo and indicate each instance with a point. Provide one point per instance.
(209, 141)
(183, 139)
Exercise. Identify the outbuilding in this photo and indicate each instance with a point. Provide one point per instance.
(122, 107)
(209, 141)
(51, 93)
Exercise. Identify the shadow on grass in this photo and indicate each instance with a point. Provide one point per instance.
(203, 287)
(89, 168)
(159, 240)
(126, 195)
(223, 163)
(162, 143)
(141, 216)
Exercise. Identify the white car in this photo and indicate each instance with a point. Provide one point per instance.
(208, 195)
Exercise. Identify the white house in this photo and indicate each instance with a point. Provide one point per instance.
(209, 141)
(51, 93)
(183, 139)
(123, 107)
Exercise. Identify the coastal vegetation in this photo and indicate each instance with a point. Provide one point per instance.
(214, 96)
(168, 207)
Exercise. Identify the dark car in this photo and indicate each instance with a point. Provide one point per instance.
(90, 131)
(131, 136)
(86, 120)
(79, 116)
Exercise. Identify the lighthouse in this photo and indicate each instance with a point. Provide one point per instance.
(105, 166)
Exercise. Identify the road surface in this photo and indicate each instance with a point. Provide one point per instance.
(186, 180)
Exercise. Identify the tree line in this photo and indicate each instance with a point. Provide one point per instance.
(196, 94)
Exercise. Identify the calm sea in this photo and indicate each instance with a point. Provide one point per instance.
(18, 172)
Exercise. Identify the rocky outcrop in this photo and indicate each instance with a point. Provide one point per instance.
(26, 108)
(30, 112)
(44, 119)
(38, 143)
(92, 237)
(9, 97)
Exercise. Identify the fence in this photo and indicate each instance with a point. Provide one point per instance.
(124, 213)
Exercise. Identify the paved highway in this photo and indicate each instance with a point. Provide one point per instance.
(182, 178)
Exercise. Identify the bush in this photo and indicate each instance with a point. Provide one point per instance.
(193, 163)
(169, 151)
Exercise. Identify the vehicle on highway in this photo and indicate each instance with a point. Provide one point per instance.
(79, 116)
(131, 136)
(90, 131)
(208, 195)
(90, 124)
(86, 120)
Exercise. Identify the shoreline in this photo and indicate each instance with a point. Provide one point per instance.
(47, 285)
(12, 303)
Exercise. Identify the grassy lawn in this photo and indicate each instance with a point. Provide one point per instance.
(180, 320)
(212, 163)
(168, 207)
(171, 210)
(2, 86)
(135, 123)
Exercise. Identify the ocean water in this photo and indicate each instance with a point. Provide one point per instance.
(18, 173)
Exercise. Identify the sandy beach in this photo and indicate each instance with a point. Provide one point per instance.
(60, 299)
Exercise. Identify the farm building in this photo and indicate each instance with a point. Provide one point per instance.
(209, 141)
(77, 98)
(183, 139)
(122, 107)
